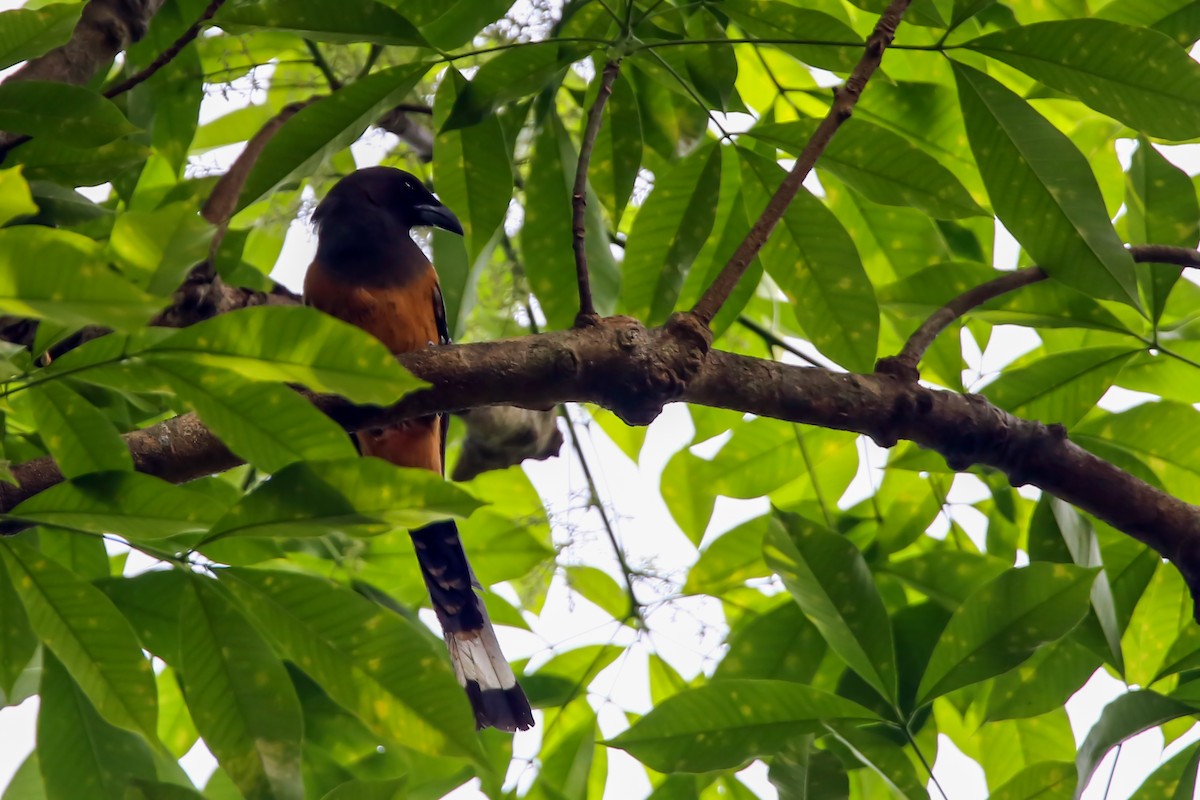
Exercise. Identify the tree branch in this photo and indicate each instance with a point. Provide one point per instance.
(621, 365)
(587, 311)
(166, 56)
(905, 364)
(843, 106)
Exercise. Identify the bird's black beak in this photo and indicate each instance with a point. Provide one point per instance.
(438, 216)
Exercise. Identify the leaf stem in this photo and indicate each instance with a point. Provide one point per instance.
(635, 608)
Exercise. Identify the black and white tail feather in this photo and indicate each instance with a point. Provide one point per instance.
(479, 664)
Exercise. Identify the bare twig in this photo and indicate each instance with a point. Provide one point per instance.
(905, 364)
(774, 340)
(587, 310)
(843, 106)
(166, 56)
(635, 608)
(914, 349)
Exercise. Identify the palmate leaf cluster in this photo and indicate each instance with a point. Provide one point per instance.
(280, 613)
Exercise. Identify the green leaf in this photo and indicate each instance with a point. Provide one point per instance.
(1049, 780)
(670, 228)
(513, 73)
(730, 560)
(85, 631)
(1043, 190)
(157, 248)
(1002, 623)
(782, 21)
(45, 159)
(369, 790)
(303, 345)
(176, 730)
(617, 155)
(453, 23)
(947, 576)
(712, 69)
(267, 424)
(600, 588)
(725, 724)
(815, 263)
(17, 640)
(58, 275)
(567, 675)
(78, 436)
(1164, 435)
(15, 197)
(1175, 779)
(1136, 75)
(371, 661)
(1061, 387)
(1162, 614)
(893, 772)
(27, 783)
(546, 234)
(326, 126)
(61, 112)
(132, 504)
(472, 170)
(778, 645)
(240, 696)
(1043, 683)
(1122, 719)
(880, 164)
(80, 754)
(150, 601)
(28, 33)
(802, 772)
(828, 577)
(358, 496)
(348, 21)
(1161, 207)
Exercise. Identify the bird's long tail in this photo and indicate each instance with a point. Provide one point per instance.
(478, 662)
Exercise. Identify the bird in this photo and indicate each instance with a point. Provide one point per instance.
(369, 272)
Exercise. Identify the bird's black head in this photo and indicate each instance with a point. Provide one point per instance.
(385, 194)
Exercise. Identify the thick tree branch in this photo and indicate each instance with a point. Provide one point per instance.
(905, 363)
(843, 106)
(621, 365)
(587, 310)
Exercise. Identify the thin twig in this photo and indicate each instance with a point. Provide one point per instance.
(587, 310)
(914, 349)
(321, 63)
(843, 106)
(168, 55)
(635, 608)
(774, 340)
(905, 364)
